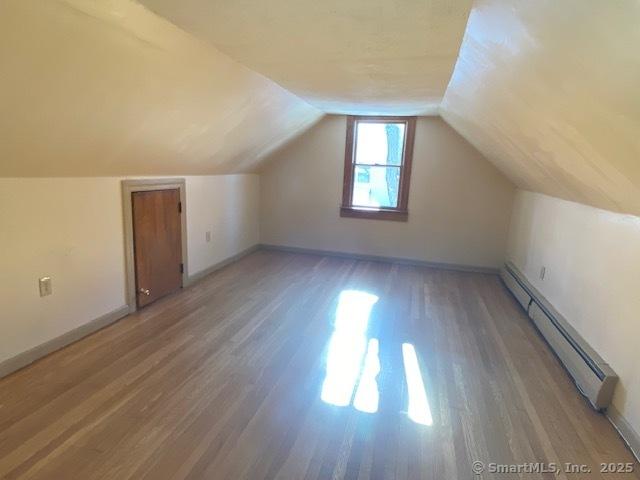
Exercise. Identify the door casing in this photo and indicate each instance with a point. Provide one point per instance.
(144, 185)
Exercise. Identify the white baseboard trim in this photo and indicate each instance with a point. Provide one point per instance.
(377, 258)
(25, 358)
(208, 271)
(626, 431)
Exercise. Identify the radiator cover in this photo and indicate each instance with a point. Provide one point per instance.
(594, 378)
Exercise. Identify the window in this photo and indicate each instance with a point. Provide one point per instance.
(377, 167)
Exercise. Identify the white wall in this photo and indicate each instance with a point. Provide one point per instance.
(72, 230)
(459, 204)
(592, 259)
(226, 206)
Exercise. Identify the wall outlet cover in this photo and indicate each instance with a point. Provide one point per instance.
(45, 286)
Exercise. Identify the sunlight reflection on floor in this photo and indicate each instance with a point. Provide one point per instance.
(353, 360)
(347, 346)
(419, 410)
(367, 395)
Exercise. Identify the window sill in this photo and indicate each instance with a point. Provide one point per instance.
(375, 213)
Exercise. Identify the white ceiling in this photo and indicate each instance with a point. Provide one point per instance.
(356, 56)
(109, 88)
(545, 89)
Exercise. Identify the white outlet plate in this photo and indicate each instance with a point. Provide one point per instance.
(45, 286)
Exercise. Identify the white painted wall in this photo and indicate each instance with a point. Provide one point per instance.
(592, 259)
(459, 203)
(227, 206)
(72, 230)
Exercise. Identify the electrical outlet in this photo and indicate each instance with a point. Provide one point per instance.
(543, 272)
(207, 236)
(45, 286)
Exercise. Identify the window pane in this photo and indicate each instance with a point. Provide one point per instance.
(379, 143)
(376, 186)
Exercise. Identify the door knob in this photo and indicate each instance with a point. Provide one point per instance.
(145, 291)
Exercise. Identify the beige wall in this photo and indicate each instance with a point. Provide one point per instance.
(592, 260)
(459, 205)
(226, 206)
(72, 230)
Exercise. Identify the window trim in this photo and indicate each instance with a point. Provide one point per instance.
(401, 212)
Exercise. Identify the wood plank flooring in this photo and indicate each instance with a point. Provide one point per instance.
(228, 380)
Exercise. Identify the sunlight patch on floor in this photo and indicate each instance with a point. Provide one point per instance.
(353, 362)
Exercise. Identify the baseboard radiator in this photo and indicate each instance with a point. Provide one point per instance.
(591, 374)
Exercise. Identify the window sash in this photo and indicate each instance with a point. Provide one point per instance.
(367, 165)
(384, 122)
(398, 213)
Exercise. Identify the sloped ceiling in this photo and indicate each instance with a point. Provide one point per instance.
(355, 56)
(546, 89)
(550, 91)
(109, 88)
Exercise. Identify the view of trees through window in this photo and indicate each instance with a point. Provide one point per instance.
(378, 162)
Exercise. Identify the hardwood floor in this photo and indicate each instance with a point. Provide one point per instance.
(227, 380)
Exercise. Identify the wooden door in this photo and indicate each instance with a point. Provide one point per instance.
(157, 244)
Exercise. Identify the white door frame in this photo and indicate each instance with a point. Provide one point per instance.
(145, 185)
